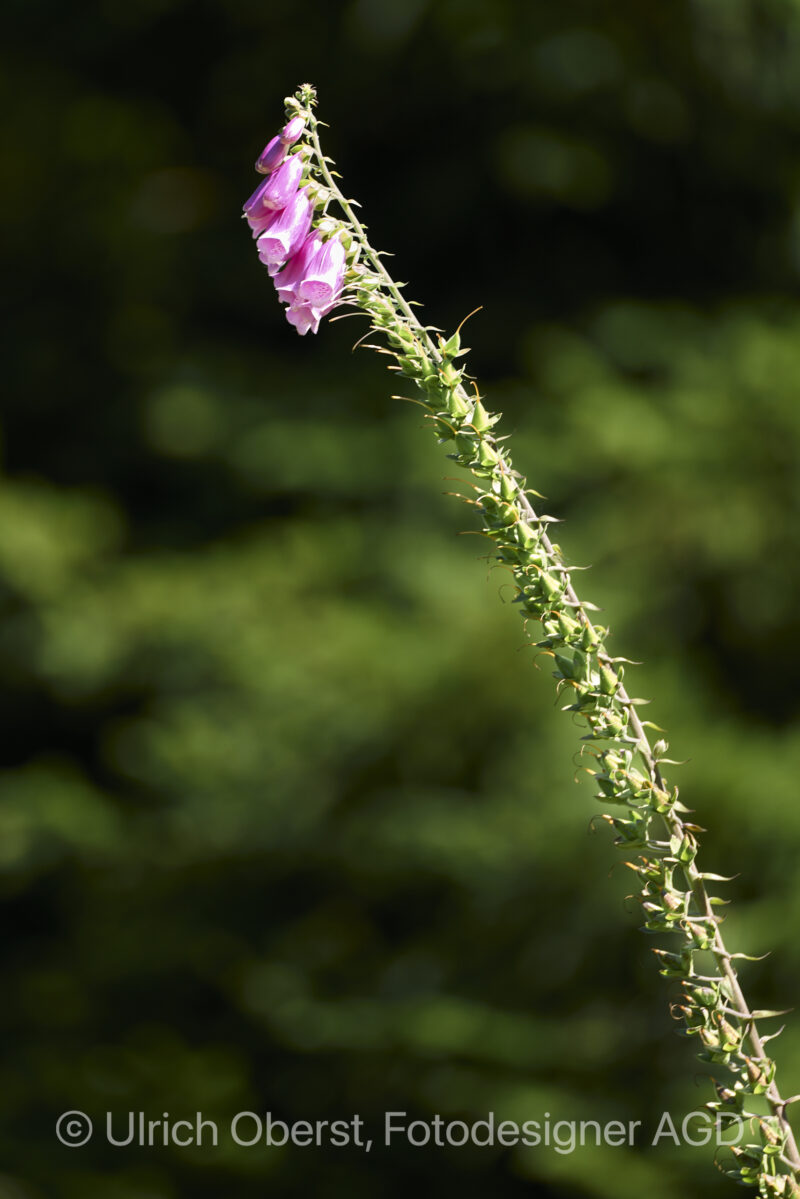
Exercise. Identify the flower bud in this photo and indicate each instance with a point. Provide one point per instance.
(292, 131)
(271, 156)
(253, 203)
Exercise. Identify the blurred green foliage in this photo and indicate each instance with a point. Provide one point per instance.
(286, 821)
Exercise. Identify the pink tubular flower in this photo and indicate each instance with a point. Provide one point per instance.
(262, 220)
(305, 318)
(258, 215)
(292, 131)
(271, 156)
(311, 282)
(308, 270)
(283, 183)
(286, 233)
(254, 203)
(322, 279)
(292, 275)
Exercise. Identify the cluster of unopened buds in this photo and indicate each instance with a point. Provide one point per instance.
(307, 267)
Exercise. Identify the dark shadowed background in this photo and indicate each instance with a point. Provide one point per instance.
(287, 818)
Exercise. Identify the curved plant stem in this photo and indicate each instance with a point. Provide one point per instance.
(674, 825)
(714, 1008)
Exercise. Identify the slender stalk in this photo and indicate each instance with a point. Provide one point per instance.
(673, 822)
(713, 1008)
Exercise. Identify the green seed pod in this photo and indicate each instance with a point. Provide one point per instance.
(508, 488)
(674, 965)
(525, 534)
(748, 1159)
(704, 995)
(759, 1075)
(481, 419)
(693, 1020)
(456, 404)
(726, 1095)
(700, 935)
(687, 848)
(400, 337)
(444, 431)
(580, 665)
(490, 505)
(770, 1134)
(506, 514)
(609, 683)
(567, 626)
(589, 637)
(409, 366)
(450, 349)
(487, 455)
(564, 665)
(615, 722)
(731, 1037)
(710, 1038)
(550, 586)
(450, 376)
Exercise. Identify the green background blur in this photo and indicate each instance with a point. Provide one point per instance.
(287, 817)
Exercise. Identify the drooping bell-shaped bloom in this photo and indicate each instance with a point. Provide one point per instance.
(304, 318)
(292, 131)
(283, 183)
(307, 269)
(262, 220)
(292, 275)
(258, 215)
(254, 202)
(286, 233)
(271, 156)
(322, 280)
